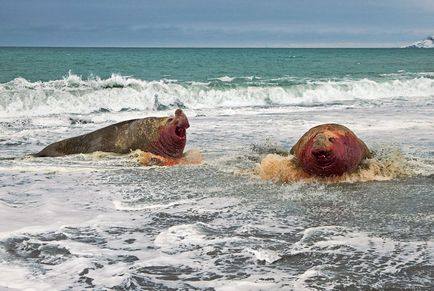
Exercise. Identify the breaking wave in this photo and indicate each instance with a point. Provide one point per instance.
(73, 94)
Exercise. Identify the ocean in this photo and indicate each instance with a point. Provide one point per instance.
(103, 221)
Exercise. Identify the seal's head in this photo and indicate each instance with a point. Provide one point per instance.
(172, 136)
(329, 150)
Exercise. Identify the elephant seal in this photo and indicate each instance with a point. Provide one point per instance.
(162, 136)
(329, 150)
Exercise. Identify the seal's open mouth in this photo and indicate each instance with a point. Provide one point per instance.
(323, 157)
(180, 131)
(321, 154)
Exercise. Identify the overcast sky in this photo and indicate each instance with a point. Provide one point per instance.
(223, 23)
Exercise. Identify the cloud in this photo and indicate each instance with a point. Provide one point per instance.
(423, 4)
(216, 23)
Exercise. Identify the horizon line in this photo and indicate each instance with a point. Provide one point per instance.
(204, 47)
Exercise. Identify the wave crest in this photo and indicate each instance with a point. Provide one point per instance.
(73, 94)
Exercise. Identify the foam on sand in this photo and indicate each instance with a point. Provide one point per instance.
(191, 157)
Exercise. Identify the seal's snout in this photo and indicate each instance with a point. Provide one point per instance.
(179, 112)
(181, 119)
(181, 122)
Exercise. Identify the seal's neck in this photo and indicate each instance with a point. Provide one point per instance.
(169, 144)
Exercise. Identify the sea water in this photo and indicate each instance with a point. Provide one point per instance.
(103, 221)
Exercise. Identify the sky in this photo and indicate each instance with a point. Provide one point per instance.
(223, 23)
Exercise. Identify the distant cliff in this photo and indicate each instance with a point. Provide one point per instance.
(426, 43)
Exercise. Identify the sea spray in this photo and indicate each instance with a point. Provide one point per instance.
(385, 165)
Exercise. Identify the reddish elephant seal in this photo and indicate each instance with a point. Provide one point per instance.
(162, 136)
(329, 150)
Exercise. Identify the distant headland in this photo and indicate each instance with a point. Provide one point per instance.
(425, 43)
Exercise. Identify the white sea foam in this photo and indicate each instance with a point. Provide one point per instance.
(245, 285)
(19, 278)
(301, 282)
(134, 206)
(268, 256)
(73, 94)
(185, 235)
(370, 254)
(226, 79)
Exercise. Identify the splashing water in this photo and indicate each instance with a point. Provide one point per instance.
(104, 221)
(381, 167)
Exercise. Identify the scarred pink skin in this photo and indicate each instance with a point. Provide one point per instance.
(329, 150)
(172, 137)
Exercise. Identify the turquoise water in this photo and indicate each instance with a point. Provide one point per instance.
(46, 64)
(36, 81)
(102, 221)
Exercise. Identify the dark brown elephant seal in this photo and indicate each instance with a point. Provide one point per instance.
(163, 136)
(329, 150)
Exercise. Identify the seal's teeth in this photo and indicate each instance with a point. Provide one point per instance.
(323, 157)
(321, 154)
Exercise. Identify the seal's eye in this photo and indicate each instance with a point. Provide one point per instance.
(332, 139)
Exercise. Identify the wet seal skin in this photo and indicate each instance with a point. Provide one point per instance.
(161, 136)
(329, 150)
